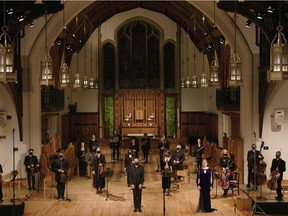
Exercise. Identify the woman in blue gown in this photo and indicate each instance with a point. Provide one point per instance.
(204, 183)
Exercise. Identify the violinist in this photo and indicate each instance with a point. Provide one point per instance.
(278, 166)
(253, 158)
(198, 151)
(227, 165)
(163, 147)
(32, 165)
(98, 164)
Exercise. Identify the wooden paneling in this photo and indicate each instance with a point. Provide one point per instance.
(198, 124)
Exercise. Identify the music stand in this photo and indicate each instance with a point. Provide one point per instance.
(67, 199)
(106, 174)
(170, 175)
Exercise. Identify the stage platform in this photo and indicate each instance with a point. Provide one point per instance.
(10, 208)
(264, 202)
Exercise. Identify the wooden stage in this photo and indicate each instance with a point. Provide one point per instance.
(183, 200)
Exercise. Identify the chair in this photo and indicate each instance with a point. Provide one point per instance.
(18, 181)
(234, 182)
(49, 184)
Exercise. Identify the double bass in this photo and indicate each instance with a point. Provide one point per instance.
(259, 173)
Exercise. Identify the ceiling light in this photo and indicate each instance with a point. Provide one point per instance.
(248, 23)
(222, 40)
(31, 24)
(20, 18)
(270, 9)
(10, 11)
(259, 16)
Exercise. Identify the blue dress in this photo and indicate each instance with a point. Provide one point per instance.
(205, 181)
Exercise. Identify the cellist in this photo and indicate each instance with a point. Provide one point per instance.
(278, 165)
(226, 164)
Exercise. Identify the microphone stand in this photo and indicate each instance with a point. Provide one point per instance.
(14, 174)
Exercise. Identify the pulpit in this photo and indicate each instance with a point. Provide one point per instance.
(139, 130)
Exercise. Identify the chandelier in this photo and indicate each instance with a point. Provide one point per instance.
(64, 69)
(235, 75)
(7, 73)
(278, 57)
(203, 78)
(46, 62)
(194, 82)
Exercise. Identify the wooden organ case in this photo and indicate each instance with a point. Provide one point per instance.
(140, 111)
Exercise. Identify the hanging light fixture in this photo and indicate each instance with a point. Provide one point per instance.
(91, 81)
(46, 62)
(7, 73)
(96, 66)
(85, 81)
(64, 69)
(194, 77)
(187, 80)
(203, 79)
(214, 67)
(235, 75)
(278, 55)
(182, 84)
(77, 82)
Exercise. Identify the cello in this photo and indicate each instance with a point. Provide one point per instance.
(272, 183)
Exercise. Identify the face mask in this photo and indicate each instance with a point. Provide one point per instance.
(136, 163)
(225, 154)
(98, 152)
(277, 156)
(178, 149)
(61, 156)
(30, 153)
(253, 148)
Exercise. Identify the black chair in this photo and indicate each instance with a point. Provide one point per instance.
(234, 182)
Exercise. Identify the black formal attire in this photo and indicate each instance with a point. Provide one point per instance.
(1, 192)
(226, 164)
(128, 162)
(115, 145)
(251, 165)
(145, 144)
(31, 163)
(178, 157)
(93, 145)
(167, 168)
(281, 165)
(135, 149)
(163, 147)
(62, 164)
(205, 181)
(136, 177)
(198, 152)
(99, 179)
(82, 161)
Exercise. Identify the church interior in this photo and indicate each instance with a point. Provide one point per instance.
(183, 70)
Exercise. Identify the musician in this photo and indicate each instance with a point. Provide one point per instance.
(32, 165)
(135, 147)
(81, 154)
(98, 165)
(167, 168)
(251, 165)
(128, 162)
(93, 143)
(178, 157)
(145, 144)
(1, 181)
(115, 145)
(136, 180)
(198, 152)
(60, 166)
(163, 147)
(226, 164)
(204, 183)
(279, 165)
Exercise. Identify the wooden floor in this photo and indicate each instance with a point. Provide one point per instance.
(85, 202)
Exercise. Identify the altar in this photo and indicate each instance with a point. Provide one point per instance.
(139, 130)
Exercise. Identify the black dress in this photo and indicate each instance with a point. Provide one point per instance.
(205, 181)
(82, 161)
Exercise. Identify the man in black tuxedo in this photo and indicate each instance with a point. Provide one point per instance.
(32, 166)
(253, 155)
(136, 180)
(178, 157)
(278, 165)
(60, 166)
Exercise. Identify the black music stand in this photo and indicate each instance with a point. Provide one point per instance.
(170, 175)
(106, 174)
(112, 146)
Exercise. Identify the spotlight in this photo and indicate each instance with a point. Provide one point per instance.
(74, 36)
(58, 41)
(210, 45)
(31, 24)
(222, 40)
(10, 11)
(20, 18)
(259, 16)
(248, 23)
(270, 9)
